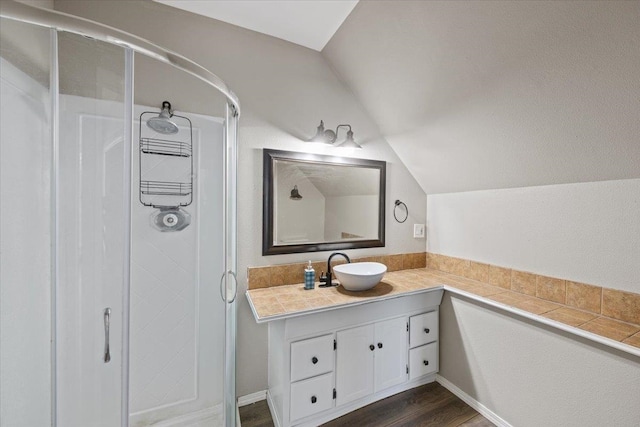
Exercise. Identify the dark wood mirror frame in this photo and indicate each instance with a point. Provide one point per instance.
(269, 158)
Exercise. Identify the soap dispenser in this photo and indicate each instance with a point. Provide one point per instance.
(309, 277)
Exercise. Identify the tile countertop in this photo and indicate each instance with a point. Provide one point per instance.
(282, 302)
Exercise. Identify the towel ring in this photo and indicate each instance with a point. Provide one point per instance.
(398, 203)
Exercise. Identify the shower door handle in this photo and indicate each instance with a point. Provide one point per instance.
(235, 287)
(107, 319)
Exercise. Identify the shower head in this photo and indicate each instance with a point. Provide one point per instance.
(163, 124)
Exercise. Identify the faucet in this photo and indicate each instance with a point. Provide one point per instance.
(326, 281)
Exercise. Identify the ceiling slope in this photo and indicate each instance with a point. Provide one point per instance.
(309, 23)
(485, 95)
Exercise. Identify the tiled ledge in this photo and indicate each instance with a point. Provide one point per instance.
(287, 301)
(611, 303)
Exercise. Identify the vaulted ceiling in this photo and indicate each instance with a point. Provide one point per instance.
(483, 95)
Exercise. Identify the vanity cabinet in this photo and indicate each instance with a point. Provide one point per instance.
(370, 358)
(326, 364)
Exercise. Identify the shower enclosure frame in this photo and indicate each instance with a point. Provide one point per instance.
(61, 22)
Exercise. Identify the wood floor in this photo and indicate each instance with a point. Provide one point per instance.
(430, 405)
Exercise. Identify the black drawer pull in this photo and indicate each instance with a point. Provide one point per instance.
(426, 330)
(372, 347)
(314, 360)
(314, 399)
(426, 362)
(379, 345)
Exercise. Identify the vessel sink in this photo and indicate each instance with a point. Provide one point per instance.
(359, 276)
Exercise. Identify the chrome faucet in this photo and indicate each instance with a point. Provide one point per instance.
(326, 281)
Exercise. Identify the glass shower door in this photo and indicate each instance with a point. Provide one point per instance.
(92, 221)
(25, 225)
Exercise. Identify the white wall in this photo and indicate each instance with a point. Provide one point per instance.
(528, 374)
(25, 255)
(587, 232)
(285, 90)
(531, 375)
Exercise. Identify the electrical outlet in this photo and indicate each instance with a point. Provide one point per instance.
(418, 231)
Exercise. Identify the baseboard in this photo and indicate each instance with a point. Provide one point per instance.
(192, 418)
(483, 410)
(272, 409)
(252, 398)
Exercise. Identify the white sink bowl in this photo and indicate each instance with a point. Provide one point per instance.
(359, 276)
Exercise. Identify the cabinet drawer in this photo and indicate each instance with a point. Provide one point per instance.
(423, 329)
(423, 360)
(312, 357)
(311, 396)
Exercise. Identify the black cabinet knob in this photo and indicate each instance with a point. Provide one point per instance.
(314, 399)
(372, 347)
(314, 360)
(426, 362)
(379, 345)
(426, 330)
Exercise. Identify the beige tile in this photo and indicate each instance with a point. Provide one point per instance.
(433, 261)
(277, 275)
(413, 260)
(478, 271)
(476, 288)
(294, 273)
(499, 276)
(524, 302)
(295, 305)
(621, 305)
(440, 262)
(291, 297)
(455, 266)
(524, 283)
(258, 277)
(394, 262)
(319, 302)
(551, 289)
(261, 301)
(584, 297)
(570, 316)
(270, 310)
(610, 328)
(633, 340)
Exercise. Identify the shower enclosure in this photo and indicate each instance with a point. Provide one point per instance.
(118, 239)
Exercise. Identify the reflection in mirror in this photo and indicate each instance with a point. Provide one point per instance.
(316, 203)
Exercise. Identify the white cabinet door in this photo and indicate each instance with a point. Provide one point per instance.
(354, 363)
(390, 359)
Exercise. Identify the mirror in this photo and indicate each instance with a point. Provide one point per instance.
(316, 203)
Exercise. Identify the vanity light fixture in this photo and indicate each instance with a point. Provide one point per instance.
(329, 137)
(295, 194)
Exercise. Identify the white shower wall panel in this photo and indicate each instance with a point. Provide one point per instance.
(177, 316)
